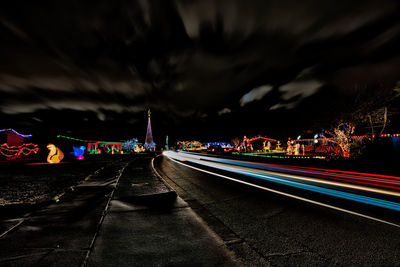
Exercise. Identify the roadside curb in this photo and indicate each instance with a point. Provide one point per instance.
(159, 175)
(159, 199)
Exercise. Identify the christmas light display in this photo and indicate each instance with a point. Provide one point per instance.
(96, 147)
(261, 138)
(191, 145)
(82, 140)
(93, 148)
(55, 154)
(258, 144)
(12, 130)
(130, 145)
(15, 152)
(149, 143)
(78, 152)
(221, 144)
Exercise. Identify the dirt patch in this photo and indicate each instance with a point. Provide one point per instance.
(35, 183)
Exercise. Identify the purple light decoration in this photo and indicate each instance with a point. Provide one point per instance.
(17, 133)
(149, 143)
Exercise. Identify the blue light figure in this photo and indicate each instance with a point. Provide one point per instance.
(78, 152)
(130, 145)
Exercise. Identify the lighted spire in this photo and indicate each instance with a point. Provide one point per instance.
(149, 144)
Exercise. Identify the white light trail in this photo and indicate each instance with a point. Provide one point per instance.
(175, 156)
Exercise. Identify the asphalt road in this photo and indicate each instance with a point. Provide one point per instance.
(263, 228)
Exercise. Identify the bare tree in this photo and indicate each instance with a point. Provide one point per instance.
(377, 119)
(341, 136)
(236, 141)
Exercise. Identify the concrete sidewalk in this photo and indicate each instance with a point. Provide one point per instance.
(121, 215)
(146, 224)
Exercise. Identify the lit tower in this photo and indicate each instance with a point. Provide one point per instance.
(148, 143)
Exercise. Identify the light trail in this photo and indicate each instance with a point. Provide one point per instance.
(323, 186)
(286, 194)
(374, 180)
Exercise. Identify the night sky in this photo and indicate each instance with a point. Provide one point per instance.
(209, 70)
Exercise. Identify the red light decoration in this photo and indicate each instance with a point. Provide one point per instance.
(15, 152)
(262, 138)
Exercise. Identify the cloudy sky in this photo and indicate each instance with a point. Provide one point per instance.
(207, 69)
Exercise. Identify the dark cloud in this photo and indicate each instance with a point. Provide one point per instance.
(194, 61)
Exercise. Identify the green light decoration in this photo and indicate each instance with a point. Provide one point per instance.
(166, 143)
(94, 147)
(87, 141)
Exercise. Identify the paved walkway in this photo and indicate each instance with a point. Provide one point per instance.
(157, 229)
(141, 222)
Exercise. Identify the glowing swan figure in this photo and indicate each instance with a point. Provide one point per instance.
(55, 154)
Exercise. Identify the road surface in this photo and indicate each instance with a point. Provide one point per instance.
(321, 221)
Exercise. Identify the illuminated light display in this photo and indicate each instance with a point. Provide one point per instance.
(337, 145)
(77, 139)
(15, 132)
(78, 152)
(221, 144)
(317, 147)
(55, 154)
(96, 147)
(93, 148)
(353, 137)
(15, 147)
(191, 145)
(261, 138)
(149, 143)
(130, 145)
(260, 144)
(15, 152)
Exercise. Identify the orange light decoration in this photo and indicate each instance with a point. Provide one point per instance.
(55, 154)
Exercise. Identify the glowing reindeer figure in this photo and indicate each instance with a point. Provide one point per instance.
(55, 154)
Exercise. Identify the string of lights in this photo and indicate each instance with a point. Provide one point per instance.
(353, 137)
(260, 137)
(15, 152)
(17, 133)
(87, 141)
